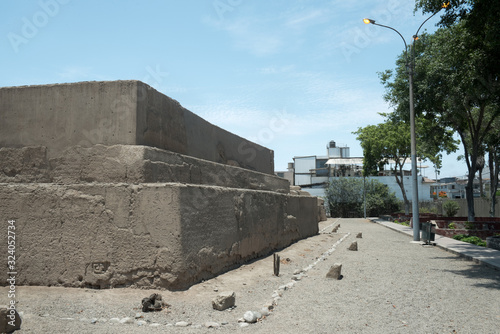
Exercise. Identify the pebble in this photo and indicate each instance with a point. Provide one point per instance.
(127, 320)
(211, 324)
(244, 324)
(114, 320)
(251, 316)
(265, 311)
(182, 324)
(141, 323)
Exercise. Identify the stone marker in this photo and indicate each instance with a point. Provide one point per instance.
(359, 235)
(334, 271)
(224, 300)
(353, 246)
(153, 303)
(9, 320)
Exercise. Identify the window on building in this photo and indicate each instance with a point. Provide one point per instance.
(321, 168)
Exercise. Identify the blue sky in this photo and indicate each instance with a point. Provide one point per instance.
(290, 75)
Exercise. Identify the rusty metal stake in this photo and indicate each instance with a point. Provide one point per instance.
(276, 264)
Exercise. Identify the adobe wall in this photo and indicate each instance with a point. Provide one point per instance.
(113, 184)
(111, 231)
(118, 112)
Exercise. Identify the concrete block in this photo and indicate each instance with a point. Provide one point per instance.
(353, 246)
(335, 271)
(224, 300)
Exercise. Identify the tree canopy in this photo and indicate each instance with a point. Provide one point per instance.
(456, 79)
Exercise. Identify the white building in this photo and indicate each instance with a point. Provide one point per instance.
(313, 172)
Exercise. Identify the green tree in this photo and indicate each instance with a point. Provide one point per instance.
(379, 200)
(386, 143)
(389, 142)
(345, 196)
(453, 90)
(461, 78)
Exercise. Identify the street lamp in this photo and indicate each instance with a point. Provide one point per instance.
(410, 63)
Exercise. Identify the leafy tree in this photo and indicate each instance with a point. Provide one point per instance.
(379, 200)
(480, 19)
(461, 82)
(385, 143)
(390, 142)
(453, 90)
(345, 197)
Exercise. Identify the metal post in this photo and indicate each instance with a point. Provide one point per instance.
(410, 62)
(414, 176)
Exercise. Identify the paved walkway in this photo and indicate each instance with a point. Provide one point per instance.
(487, 256)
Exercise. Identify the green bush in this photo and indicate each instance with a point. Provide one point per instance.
(452, 226)
(470, 239)
(470, 226)
(345, 197)
(451, 208)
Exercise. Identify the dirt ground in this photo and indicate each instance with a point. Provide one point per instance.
(389, 285)
(59, 309)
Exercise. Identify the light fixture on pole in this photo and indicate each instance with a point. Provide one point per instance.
(410, 63)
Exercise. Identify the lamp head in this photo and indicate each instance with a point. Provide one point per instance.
(368, 21)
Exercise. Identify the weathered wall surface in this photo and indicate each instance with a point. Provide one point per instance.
(60, 116)
(113, 184)
(126, 163)
(113, 216)
(150, 235)
(118, 112)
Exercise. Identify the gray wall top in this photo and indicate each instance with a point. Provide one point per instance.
(118, 112)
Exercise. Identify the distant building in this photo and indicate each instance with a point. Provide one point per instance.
(453, 187)
(313, 172)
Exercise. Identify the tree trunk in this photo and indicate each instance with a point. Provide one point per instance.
(494, 169)
(401, 185)
(469, 194)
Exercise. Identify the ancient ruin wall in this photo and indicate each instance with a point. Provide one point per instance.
(114, 184)
(98, 227)
(118, 112)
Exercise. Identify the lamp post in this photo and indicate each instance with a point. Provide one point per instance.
(410, 63)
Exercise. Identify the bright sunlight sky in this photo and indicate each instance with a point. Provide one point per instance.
(290, 75)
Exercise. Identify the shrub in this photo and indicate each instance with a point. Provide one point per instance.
(451, 208)
(470, 239)
(345, 197)
(470, 226)
(452, 226)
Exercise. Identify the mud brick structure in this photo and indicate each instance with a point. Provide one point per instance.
(113, 184)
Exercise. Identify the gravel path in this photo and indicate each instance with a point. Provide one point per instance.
(388, 286)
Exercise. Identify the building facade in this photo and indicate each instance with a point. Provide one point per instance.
(313, 172)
